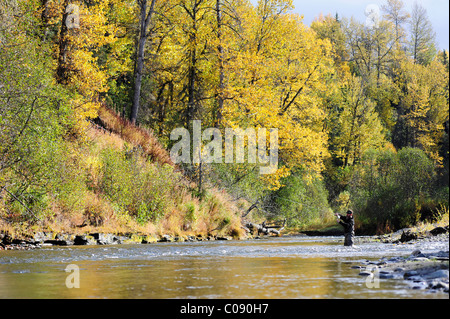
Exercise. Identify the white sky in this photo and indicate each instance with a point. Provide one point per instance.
(438, 12)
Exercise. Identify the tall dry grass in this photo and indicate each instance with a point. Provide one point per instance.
(135, 135)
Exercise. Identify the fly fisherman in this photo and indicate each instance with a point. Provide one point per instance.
(349, 227)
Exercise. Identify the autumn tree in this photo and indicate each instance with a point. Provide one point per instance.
(34, 112)
(274, 80)
(359, 126)
(423, 37)
(395, 12)
(331, 28)
(423, 109)
(84, 32)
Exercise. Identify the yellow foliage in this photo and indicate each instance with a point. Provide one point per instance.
(275, 75)
(80, 45)
(426, 105)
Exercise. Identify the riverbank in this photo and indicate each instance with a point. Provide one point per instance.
(48, 239)
(421, 270)
(413, 234)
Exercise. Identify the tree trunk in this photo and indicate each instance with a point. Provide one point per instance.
(144, 23)
(62, 68)
(221, 71)
(45, 19)
(192, 72)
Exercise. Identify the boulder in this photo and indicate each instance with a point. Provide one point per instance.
(105, 239)
(407, 236)
(58, 242)
(41, 237)
(441, 274)
(416, 253)
(81, 240)
(410, 274)
(383, 274)
(223, 238)
(439, 285)
(166, 239)
(438, 231)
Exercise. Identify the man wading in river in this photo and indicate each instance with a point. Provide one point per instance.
(349, 227)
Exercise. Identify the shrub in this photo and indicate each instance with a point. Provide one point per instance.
(303, 203)
(390, 189)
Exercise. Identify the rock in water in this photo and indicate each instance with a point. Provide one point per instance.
(416, 253)
(408, 236)
(365, 273)
(438, 231)
(443, 274)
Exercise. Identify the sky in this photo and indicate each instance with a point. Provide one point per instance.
(438, 12)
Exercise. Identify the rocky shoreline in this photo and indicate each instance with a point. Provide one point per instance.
(48, 239)
(424, 271)
(411, 234)
(428, 271)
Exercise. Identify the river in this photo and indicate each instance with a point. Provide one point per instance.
(270, 268)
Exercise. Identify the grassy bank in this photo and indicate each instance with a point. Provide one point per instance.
(117, 178)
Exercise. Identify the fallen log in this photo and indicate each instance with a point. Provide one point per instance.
(266, 230)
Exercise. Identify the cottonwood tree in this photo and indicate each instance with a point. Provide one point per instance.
(359, 125)
(145, 20)
(274, 80)
(85, 30)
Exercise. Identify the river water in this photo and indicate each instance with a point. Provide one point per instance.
(271, 268)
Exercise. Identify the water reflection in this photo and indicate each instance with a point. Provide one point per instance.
(278, 268)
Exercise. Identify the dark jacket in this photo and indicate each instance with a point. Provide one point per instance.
(348, 223)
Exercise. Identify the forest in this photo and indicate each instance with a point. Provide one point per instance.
(90, 92)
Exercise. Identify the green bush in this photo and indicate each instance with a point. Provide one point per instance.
(301, 202)
(388, 189)
(142, 189)
(35, 118)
